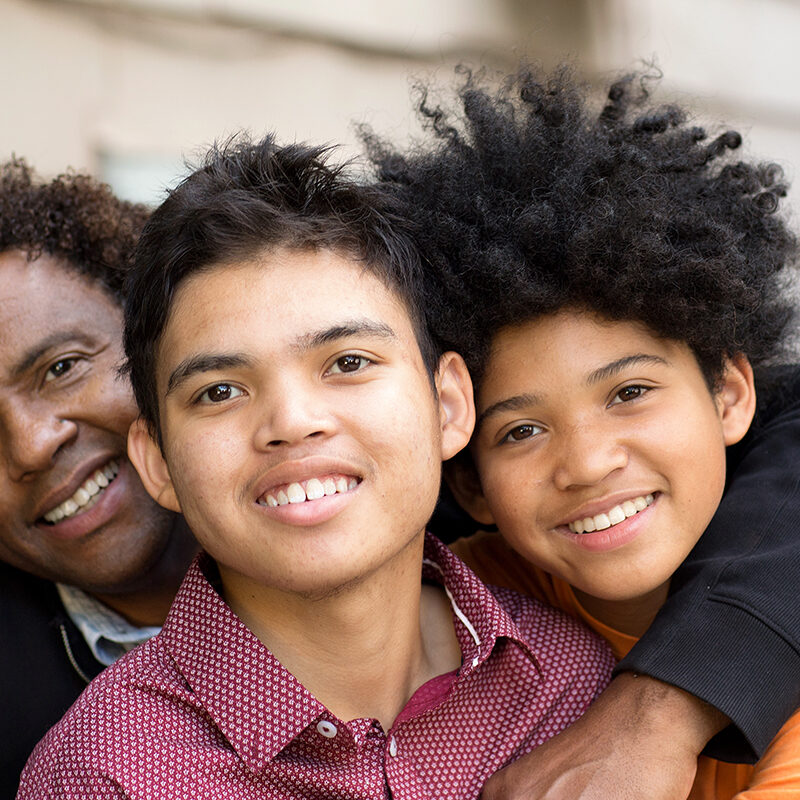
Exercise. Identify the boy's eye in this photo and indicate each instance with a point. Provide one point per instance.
(628, 393)
(349, 363)
(219, 393)
(59, 368)
(520, 432)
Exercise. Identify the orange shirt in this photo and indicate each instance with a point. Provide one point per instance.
(777, 774)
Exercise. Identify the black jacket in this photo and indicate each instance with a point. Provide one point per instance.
(45, 664)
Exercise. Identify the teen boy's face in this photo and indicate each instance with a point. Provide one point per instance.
(303, 439)
(601, 451)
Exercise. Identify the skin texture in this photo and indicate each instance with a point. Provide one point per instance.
(64, 413)
(269, 374)
(609, 413)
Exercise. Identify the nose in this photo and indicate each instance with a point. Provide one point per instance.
(588, 454)
(293, 413)
(31, 438)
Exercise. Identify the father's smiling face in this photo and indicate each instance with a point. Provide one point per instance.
(72, 508)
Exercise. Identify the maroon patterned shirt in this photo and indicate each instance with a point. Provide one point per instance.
(203, 710)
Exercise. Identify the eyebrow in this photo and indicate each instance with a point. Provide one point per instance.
(521, 401)
(516, 403)
(615, 367)
(36, 351)
(209, 362)
(354, 327)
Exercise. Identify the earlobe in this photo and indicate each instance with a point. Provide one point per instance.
(465, 485)
(736, 398)
(456, 403)
(145, 455)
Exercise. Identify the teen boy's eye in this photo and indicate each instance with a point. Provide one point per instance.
(520, 432)
(219, 393)
(348, 363)
(628, 393)
(59, 368)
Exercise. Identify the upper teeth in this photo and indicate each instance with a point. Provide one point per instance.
(613, 517)
(87, 494)
(311, 489)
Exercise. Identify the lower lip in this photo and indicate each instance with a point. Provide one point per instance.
(614, 537)
(101, 513)
(310, 513)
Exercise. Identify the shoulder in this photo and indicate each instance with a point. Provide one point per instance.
(556, 639)
(107, 730)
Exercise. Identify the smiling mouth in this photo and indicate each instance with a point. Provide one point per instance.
(312, 489)
(613, 516)
(87, 494)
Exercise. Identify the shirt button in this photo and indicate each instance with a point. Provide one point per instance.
(393, 747)
(475, 661)
(326, 729)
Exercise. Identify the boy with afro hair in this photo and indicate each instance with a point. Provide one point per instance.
(613, 281)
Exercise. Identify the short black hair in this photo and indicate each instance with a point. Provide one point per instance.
(527, 201)
(248, 197)
(73, 217)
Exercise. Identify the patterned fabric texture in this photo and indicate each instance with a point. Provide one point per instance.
(203, 710)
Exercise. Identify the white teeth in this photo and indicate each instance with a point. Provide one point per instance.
(295, 493)
(617, 514)
(315, 489)
(86, 495)
(613, 517)
(601, 522)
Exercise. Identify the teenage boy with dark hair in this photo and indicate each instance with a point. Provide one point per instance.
(296, 412)
(91, 562)
(622, 278)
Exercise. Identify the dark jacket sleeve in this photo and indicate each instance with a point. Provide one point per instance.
(730, 630)
(44, 665)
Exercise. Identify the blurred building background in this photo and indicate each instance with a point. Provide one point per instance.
(129, 88)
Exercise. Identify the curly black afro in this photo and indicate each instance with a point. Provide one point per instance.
(526, 201)
(73, 217)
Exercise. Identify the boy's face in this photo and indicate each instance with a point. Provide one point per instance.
(600, 450)
(302, 437)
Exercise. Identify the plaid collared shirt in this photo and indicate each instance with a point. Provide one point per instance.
(204, 710)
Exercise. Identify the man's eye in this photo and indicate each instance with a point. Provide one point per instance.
(59, 368)
(520, 432)
(219, 393)
(628, 393)
(349, 363)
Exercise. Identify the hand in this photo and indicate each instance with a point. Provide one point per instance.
(639, 741)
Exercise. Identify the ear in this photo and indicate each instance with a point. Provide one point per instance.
(146, 456)
(456, 403)
(465, 485)
(736, 398)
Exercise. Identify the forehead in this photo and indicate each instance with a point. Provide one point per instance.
(284, 292)
(572, 345)
(46, 298)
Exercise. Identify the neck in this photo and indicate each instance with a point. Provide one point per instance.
(631, 616)
(146, 601)
(337, 646)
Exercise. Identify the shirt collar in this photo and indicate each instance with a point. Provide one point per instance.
(258, 705)
(108, 634)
